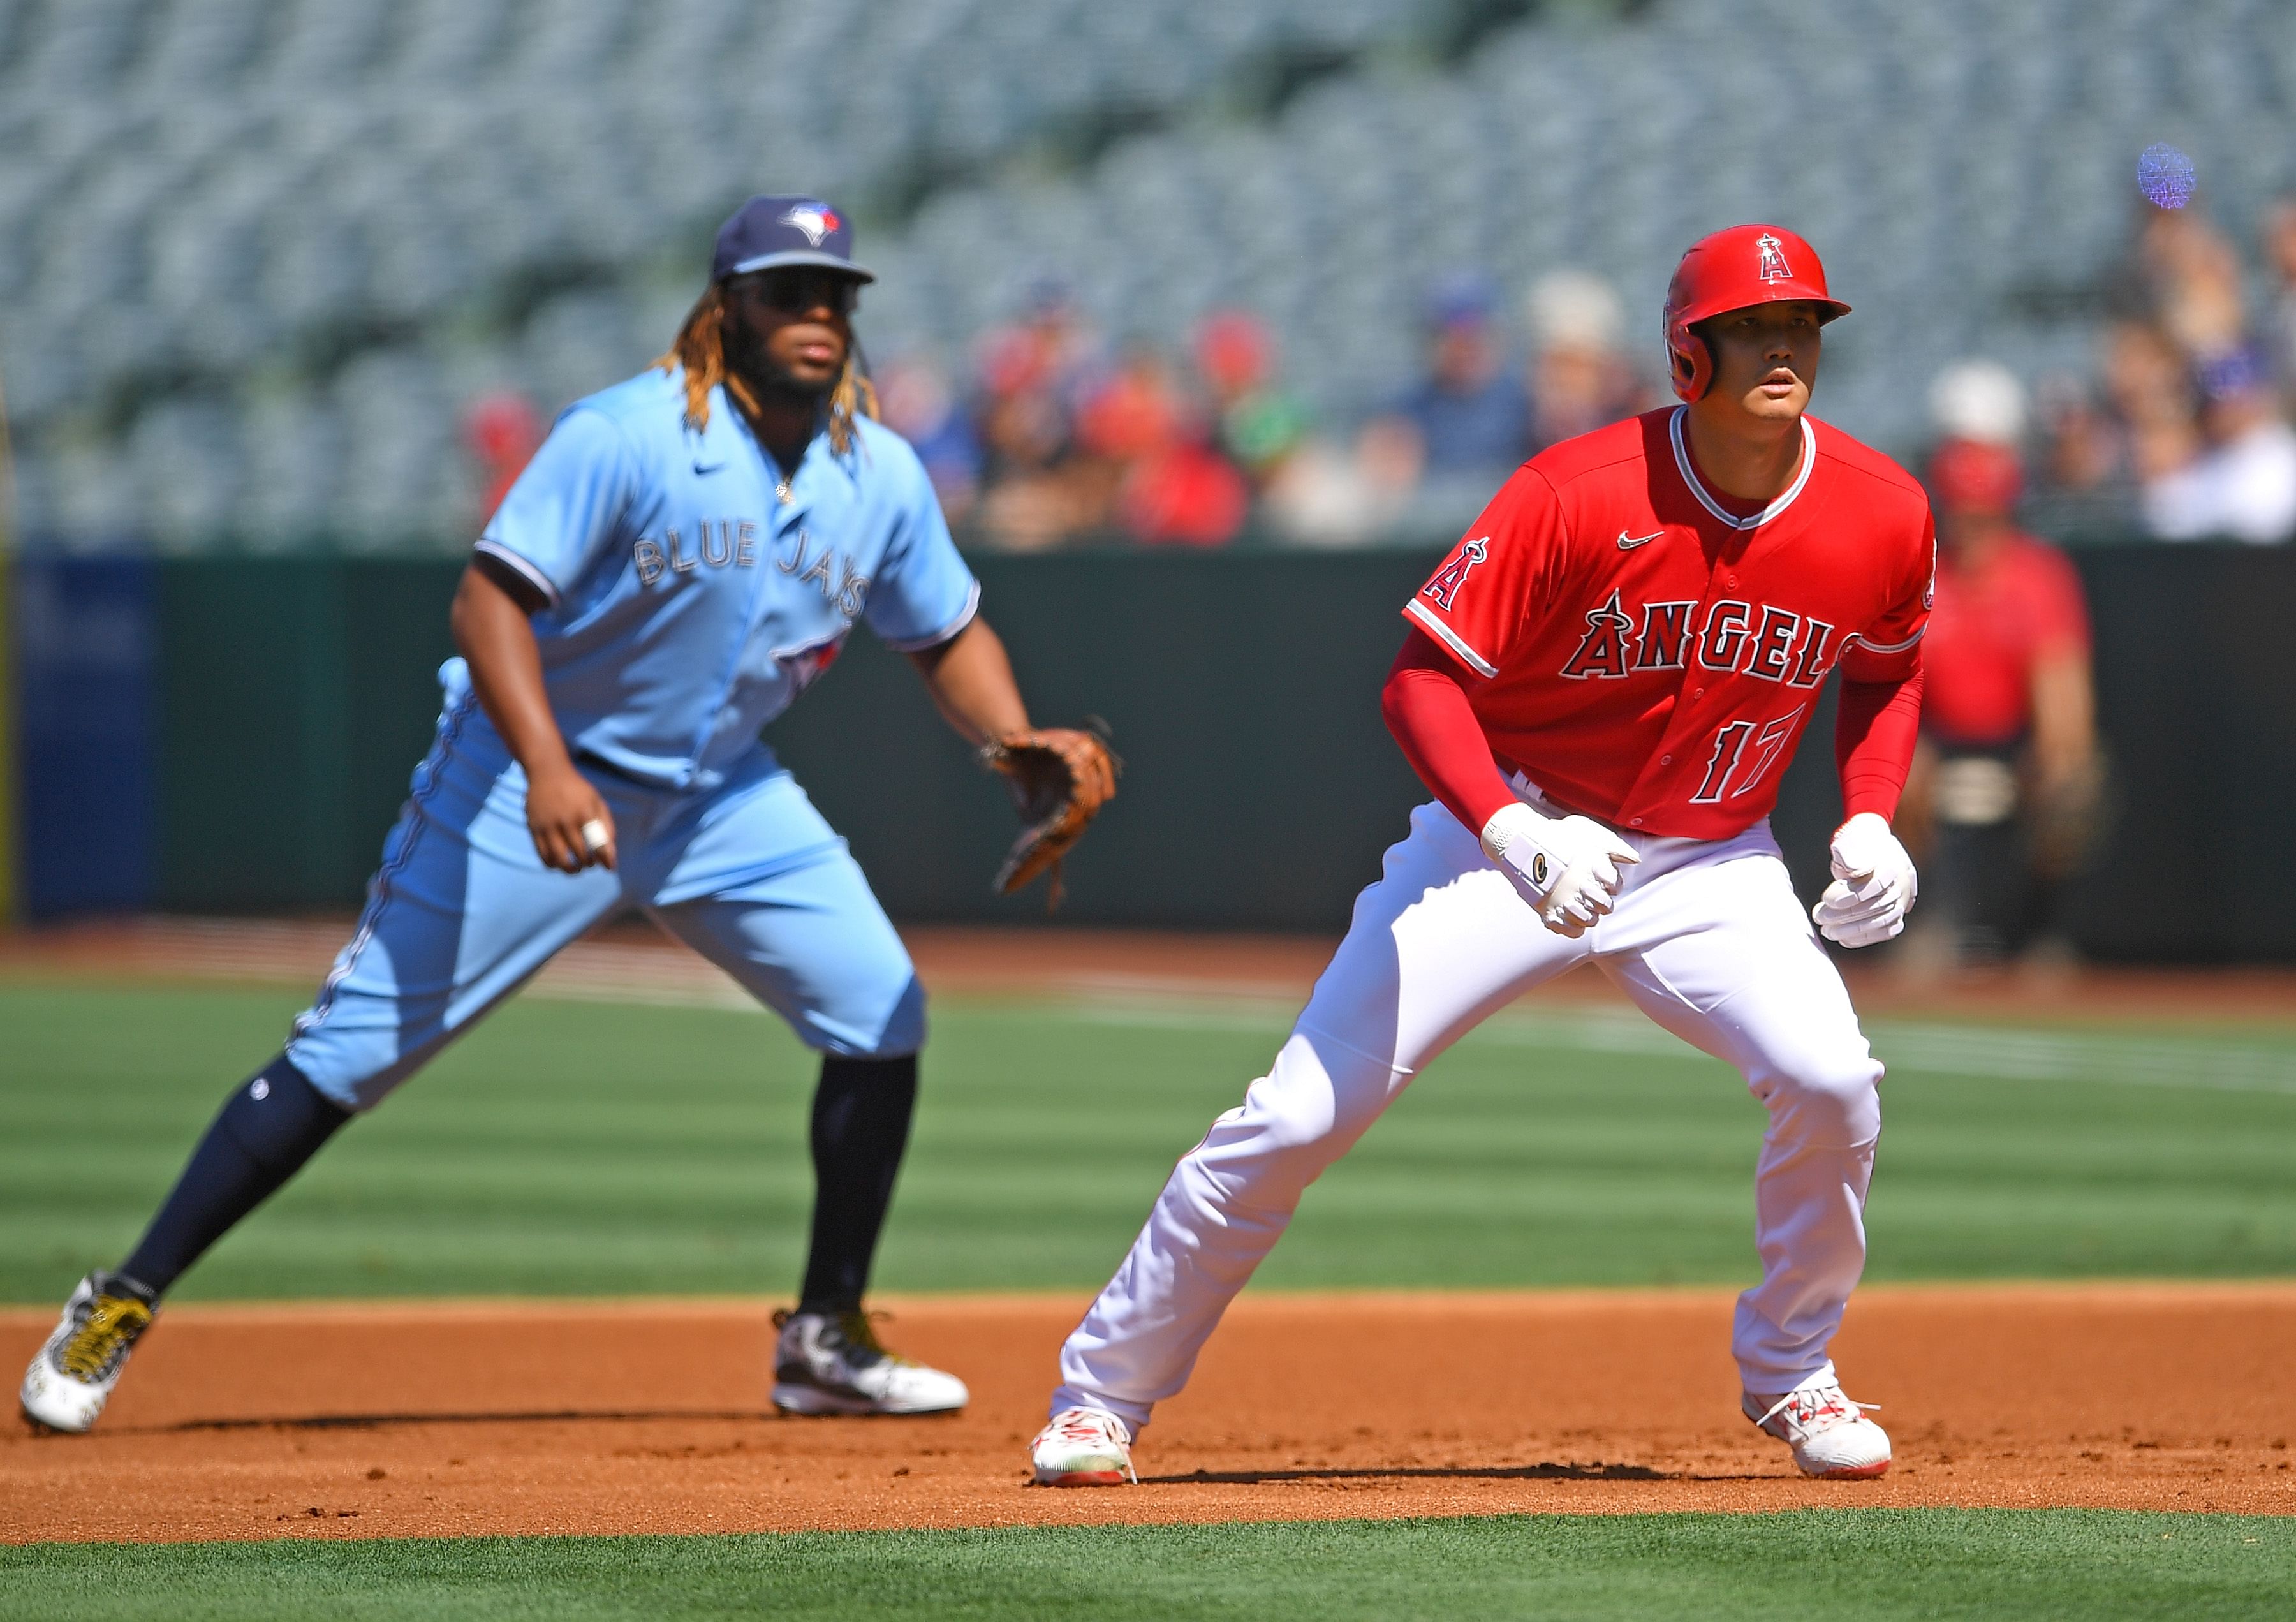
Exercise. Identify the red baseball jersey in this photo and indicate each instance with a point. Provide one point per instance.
(1652, 650)
(1992, 626)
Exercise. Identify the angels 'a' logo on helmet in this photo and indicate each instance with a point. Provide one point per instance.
(1773, 267)
(817, 220)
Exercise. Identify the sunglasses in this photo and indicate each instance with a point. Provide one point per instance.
(795, 288)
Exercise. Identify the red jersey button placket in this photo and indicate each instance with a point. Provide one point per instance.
(1652, 780)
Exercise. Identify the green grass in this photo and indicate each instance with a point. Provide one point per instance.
(1864, 1563)
(574, 1150)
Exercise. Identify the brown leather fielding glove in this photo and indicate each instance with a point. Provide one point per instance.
(1060, 778)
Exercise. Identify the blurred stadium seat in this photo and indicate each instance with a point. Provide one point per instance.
(256, 255)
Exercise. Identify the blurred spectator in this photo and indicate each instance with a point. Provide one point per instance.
(502, 430)
(1978, 400)
(1457, 433)
(1580, 380)
(2280, 260)
(2244, 483)
(1133, 412)
(2148, 383)
(920, 406)
(1049, 350)
(1312, 491)
(1259, 424)
(1324, 496)
(2101, 443)
(1183, 493)
(1136, 409)
(1034, 374)
(2186, 279)
(2085, 484)
(2005, 790)
(1468, 410)
(1164, 482)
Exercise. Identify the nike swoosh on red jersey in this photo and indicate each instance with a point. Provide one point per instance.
(1628, 543)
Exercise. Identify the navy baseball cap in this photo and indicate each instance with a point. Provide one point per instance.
(1463, 298)
(766, 232)
(2232, 373)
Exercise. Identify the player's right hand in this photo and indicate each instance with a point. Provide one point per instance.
(1566, 867)
(571, 826)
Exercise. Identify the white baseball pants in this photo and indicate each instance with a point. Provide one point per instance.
(1708, 939)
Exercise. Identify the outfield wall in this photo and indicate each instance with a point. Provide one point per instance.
(217, 735)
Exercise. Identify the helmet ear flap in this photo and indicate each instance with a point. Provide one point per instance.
(1690, 362)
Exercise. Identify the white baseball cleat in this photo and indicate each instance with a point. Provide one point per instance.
(74, 1372)
(830, 1363)
(1831, 1437)
(1083, 1447)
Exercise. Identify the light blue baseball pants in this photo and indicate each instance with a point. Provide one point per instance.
(462, 910)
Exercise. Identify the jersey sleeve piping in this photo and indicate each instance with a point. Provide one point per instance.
(524, 570)
(964, 617)
(1893, 647)
(1449, 638)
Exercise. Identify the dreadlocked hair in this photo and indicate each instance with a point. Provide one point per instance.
(699, 347)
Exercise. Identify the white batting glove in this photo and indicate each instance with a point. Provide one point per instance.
(1873, 884)
(1567, 867)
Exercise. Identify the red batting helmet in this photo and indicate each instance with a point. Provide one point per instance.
(1728, 271)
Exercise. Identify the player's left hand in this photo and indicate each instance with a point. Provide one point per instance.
(1060, 778)
(1873, 884)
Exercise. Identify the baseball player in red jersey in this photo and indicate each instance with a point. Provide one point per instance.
(1601, 687)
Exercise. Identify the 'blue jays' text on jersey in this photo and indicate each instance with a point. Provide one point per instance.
(688, 604)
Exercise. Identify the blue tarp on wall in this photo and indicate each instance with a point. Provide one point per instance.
(86, 645)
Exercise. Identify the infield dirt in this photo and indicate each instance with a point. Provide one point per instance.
(303, 1420)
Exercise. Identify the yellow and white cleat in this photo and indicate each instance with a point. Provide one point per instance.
(829, 1362)
(66, 1386)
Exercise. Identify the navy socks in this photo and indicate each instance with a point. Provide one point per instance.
(267, 1127)
(860, 1127)
(276, 1121)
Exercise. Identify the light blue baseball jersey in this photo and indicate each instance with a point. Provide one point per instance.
(688, 604)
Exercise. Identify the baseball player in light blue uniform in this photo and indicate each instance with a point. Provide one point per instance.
(685, 553)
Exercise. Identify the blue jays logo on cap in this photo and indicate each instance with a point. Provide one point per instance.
(766, 232)
(817, 220)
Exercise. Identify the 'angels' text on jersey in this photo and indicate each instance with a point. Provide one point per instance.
(1759, 639)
